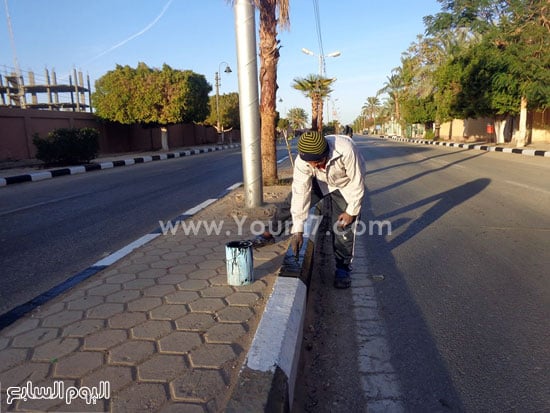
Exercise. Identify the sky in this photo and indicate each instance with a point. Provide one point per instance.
(199, 35)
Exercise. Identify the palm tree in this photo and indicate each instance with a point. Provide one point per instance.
(273, 13)
(370, 109)
(298, 118)
(317, 88)
(393, 87)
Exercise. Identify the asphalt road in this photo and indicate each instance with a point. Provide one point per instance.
(460, 300)
(53, 229)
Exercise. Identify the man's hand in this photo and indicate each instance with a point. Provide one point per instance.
(345, 219)
(296, 242)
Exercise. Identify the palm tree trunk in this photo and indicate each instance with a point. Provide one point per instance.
(269, 56)
(314, 111)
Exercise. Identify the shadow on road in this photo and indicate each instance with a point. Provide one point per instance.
(426, 383)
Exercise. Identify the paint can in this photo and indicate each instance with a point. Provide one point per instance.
(240, 262)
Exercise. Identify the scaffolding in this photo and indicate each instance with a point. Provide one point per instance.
(14, 92)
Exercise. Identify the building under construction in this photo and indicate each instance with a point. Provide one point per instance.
(18, 92)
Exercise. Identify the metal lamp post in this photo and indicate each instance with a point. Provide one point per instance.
(217, 79)
(321, 58)
(322, 66)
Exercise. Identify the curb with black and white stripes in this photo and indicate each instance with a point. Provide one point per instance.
(80, 169)
(488, 148)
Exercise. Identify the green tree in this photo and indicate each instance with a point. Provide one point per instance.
(229, 111)
(297, 118)
(316, 88)
(152, 97)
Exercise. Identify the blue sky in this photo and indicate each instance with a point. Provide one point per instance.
(199, 35)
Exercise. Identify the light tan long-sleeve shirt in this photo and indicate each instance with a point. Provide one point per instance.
(344, 170)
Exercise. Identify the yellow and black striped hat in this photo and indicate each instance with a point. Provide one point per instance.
(312, 146)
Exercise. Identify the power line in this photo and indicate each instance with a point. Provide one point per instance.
(319, 35)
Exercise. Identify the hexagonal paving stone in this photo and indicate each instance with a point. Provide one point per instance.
(82, 328)
(181, 297)
(195, 322)
(180, 342)
(78, 364)
(161, 367)
(233, 314)
(117, 376)
(207, 305)
(164, 264)
(152, 330)
(168, 312)
(106, 310)
(172, 279)
(84, 303)
(4, 342)
(132, 352)
(122, 296)
(198, 385)
(139, 284)
(62, 319)
(153, 273)
(120, 278)
(34, 337)
(33, 372)
(104, 289)
(245, 299)
(210, 265)
(144, 304)
(105, 339)
(212, 355)
(217, 291)
(202, 274)
(218, 280)
(127, 320)
(225, 333)
(159, 290)
(21, 326)
(128, 267)
(204, 252)
(172, 407)
(48, 309)
(55, 349)
(139, 397)
(11, 357)
(193, 285)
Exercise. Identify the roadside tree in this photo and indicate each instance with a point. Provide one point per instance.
(152, 97)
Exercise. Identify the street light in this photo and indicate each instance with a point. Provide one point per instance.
(321, 58)
(217, 79)
(322, 65)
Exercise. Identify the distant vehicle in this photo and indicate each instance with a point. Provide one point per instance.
(365, 132)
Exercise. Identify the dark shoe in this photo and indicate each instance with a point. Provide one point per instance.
(342, 278)
(263, 240)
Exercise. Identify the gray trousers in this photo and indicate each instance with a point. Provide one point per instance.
(342, 239)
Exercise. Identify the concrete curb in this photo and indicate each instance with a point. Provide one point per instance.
(74, 170)
(488, 148)
(267, 379)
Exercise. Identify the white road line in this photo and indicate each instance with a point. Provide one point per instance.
(121, 253)
(197, 208)
(529, 187)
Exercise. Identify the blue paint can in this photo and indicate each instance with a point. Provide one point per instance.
(240, 262)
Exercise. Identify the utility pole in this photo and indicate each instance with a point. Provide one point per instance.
(245, 29)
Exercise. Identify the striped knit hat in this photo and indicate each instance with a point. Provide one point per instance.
(312, 146)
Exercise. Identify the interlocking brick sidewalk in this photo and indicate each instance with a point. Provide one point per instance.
(161, 325)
